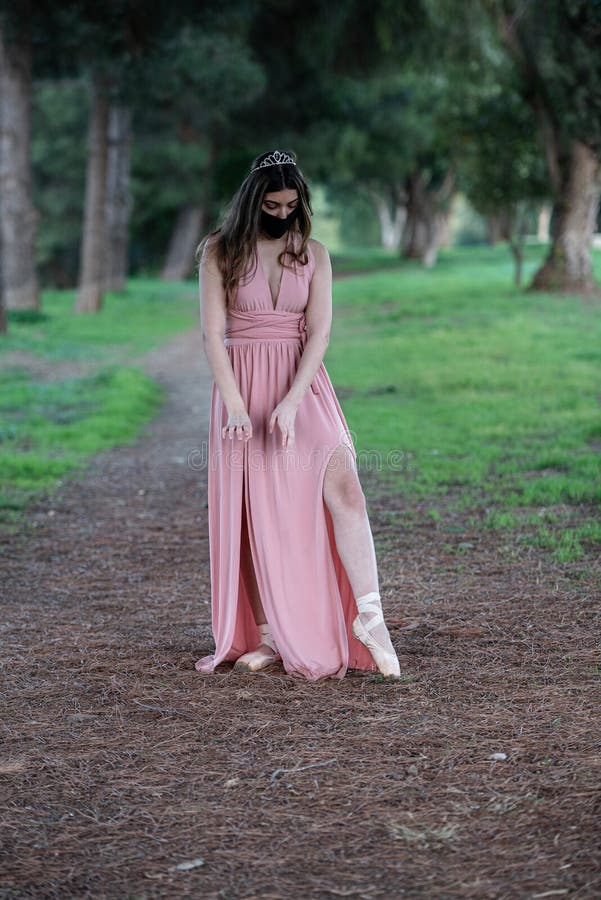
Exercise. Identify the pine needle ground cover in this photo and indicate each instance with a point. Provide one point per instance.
(68, 388)
(471, 394)
(124, 773)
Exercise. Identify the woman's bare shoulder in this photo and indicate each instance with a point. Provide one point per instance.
(320, 252)
(208, 258)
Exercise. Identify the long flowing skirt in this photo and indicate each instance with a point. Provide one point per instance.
(305, 592)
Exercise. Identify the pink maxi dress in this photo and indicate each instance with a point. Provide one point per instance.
(305, 592)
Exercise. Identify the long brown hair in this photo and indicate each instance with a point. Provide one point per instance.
(235, 240)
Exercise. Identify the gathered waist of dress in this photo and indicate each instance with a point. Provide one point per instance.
(243, 327)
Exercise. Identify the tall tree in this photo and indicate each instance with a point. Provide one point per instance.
(500, 166)
(188, 60)
(118, 200)
(389, 146)
(93, 244)
(117, 42)
(557, 47)
(3, 319)
(204, 78)
(59, 116)
(113, 41)
(338, 100)
(554, 48)
(18, 219)
(368, 149)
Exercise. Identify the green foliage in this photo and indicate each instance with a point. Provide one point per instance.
(198, 81)
(186, 73)
(553, 48)
(359, 226)
(480, 391)
(500, 163)
(58, 155)
(393, 127)
(306, 48)
(557, 48)
(366, 96)
(466, 225)
(359, 260)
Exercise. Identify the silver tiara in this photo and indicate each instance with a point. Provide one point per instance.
(275, 159)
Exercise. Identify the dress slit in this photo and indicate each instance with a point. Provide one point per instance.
(246, 586)
(359, 656)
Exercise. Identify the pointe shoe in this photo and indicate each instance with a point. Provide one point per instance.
(258, 659)
(386, 662)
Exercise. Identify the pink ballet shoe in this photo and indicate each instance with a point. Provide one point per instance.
(258, 659)
(386, 662)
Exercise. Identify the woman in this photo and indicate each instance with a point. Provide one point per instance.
(293, 566)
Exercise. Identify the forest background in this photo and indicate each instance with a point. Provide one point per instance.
(126, 127)
(453, 149)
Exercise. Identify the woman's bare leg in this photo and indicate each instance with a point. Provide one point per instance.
(344, 497)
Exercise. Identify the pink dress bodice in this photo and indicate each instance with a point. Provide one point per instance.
(254, 292)
(251, 315)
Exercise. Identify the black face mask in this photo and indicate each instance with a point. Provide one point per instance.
(274, 226)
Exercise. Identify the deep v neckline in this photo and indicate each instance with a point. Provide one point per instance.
(275, 305)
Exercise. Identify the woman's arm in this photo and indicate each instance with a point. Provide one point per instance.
(212, 319)
(319, 321)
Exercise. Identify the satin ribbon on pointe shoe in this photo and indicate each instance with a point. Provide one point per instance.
(386, 662)
(258, 659)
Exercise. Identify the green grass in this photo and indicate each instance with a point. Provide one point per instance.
(461, 389)
(363, 259)
(459, 384)
(131, 321)
(50, 428)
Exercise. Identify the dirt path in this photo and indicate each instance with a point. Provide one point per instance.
(124, 773)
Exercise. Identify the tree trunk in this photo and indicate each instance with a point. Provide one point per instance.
(498, 226)
(18, 219)
(421, 237)
(118, 198)
(435, 231)
(426, 219)
(3, 321)
(543, 223)
(422, 229)
(493, 230)
(444, 229)
(182, 246)
(413, 234)
(89, 297)
(517, 250)
(392, 216)
(568, 266)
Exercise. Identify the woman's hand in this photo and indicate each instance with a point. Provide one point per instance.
(284, 414)
(238, 423)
